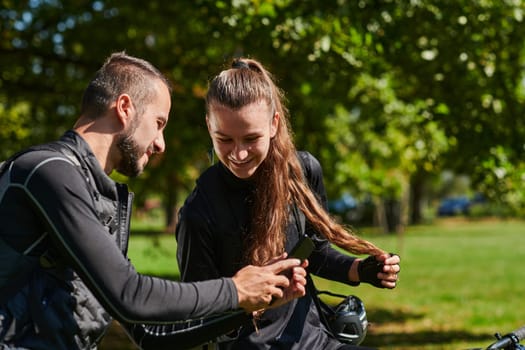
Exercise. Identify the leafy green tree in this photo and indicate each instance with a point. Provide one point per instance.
(466, 58)
(386, 93)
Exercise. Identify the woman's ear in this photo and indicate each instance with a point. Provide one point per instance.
(275, 124)
(208, 123)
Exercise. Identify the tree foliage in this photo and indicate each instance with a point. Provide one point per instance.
(386, 93)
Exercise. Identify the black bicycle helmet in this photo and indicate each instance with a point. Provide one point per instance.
(349, 322)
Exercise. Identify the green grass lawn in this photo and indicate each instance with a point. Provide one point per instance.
(461, 282)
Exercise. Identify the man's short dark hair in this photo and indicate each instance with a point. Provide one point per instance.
(120, 74)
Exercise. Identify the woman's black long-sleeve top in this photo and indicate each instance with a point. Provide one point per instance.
(212, 225)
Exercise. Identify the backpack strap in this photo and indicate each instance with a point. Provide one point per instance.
(25, 263)
(3, 164)
(322, 309)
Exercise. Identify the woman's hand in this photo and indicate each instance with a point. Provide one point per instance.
(277, 283)
(381, 271)
(390, 273)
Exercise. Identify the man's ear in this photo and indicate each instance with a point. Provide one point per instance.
(125, 109)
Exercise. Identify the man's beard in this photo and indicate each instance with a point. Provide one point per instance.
(129, 151)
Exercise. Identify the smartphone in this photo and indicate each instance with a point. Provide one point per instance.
(302, 249)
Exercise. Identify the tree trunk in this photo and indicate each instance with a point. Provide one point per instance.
(392, 214)
(416, 197)
(170, 206)
(379, 215)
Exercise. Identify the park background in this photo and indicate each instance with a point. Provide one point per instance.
(405, 104)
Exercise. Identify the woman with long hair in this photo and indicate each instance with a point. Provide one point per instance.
(258, 201)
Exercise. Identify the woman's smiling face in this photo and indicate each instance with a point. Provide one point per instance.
(241, 137)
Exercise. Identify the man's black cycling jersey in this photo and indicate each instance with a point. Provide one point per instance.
(58, 206)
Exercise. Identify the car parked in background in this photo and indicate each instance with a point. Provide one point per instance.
(343, 206)
(350, 210)
(451, 206)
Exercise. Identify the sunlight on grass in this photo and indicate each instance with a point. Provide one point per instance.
(460, 283)
(154, 254)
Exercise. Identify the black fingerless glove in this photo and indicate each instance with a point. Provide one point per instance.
(368, 270)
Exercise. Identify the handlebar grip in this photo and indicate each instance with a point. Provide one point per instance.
(520, 333)
(512, 338)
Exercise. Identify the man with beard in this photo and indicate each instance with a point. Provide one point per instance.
(64, 273)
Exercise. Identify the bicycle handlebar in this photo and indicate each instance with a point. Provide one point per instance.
(507, 340)
(520, 333)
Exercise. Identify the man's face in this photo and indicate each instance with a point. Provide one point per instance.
(144, 135)
(130, 154)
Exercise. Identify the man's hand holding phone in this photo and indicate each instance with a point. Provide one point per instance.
(280, 281)
(258, 286)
